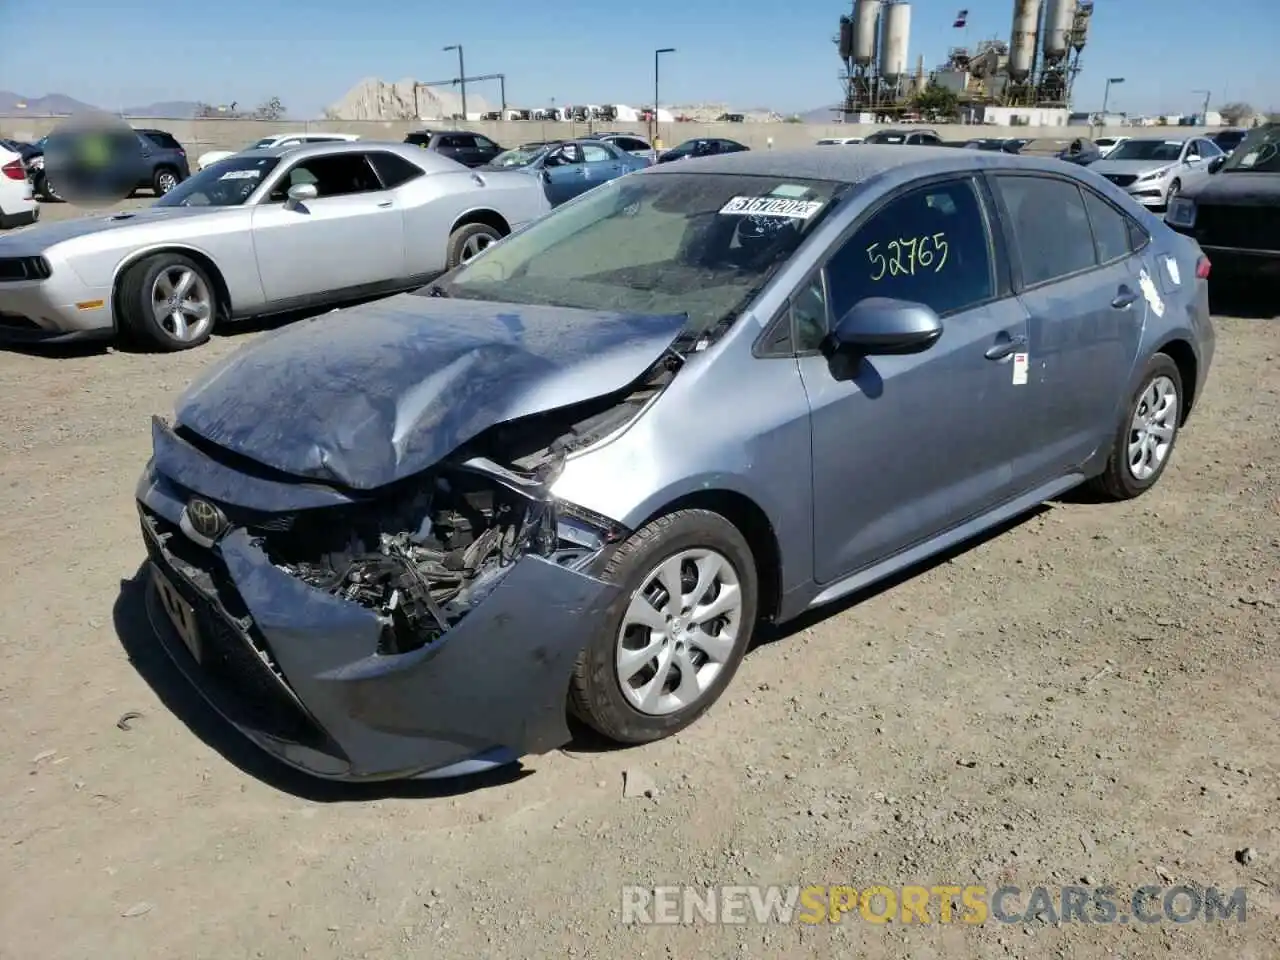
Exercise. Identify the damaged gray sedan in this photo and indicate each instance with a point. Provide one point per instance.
(412, 538)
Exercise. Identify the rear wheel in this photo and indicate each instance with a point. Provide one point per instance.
(469, 241)
(164, 180)
(1143, 443)
(168, 302)
(671, 644)
(46, 190)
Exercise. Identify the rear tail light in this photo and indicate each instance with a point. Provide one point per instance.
(1202, 268)
(14, 170)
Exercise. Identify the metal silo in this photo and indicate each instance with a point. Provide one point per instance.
(865, 14)
(895, 32)
(846, 38)
(1022, 44)
(1058, 19)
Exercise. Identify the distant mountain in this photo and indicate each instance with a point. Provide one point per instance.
(51, 104)
(60, 105)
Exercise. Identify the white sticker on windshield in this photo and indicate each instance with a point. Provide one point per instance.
(1171, 267)
(241, 175)
(771, 207)
(793, 190)
(1150, 293)
(1249, 159)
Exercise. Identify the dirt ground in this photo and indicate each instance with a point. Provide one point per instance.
(1088, 696)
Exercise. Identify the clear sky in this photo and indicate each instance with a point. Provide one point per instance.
(748, 53)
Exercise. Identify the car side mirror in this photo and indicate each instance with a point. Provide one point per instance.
(301, 193)
(882, 326)
(1216, 164)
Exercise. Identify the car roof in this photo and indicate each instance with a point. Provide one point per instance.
(859, 163)
(429, 161)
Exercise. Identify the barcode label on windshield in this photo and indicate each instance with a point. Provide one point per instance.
(772, 207)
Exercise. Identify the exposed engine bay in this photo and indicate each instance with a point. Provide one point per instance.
(425, 554)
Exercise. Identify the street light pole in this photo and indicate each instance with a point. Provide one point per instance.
(1204, 114)
(656, 55)
(1106, 95)
(462, 77)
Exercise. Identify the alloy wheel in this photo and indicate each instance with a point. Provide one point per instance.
(1152, 430)
(167, 182)
(679, 631)
(475, 245)
(182, 304)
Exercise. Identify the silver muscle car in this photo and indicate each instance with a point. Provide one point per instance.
(262, 232)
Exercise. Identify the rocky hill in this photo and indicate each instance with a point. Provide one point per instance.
(374, 99)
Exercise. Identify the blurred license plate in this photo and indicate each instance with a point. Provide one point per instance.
(181, 615)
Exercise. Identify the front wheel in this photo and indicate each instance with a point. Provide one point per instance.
(1143, 443)
(671, 644)
(168, 301)
(469, 241)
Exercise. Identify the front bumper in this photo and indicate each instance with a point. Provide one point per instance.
(57, 309)
(1154, 194)
(296, 669)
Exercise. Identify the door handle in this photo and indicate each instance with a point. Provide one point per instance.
(1005, 348)
(1124, 298)
(385, 203)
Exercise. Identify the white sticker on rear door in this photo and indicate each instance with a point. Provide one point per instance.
(1020, 363)
(1171, 268)
(771, 207)
(1150, 293)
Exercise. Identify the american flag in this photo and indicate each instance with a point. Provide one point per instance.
(961, 19)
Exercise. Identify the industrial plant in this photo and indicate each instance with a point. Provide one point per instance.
(1008, 81)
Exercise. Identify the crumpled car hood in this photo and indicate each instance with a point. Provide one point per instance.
(364, 397)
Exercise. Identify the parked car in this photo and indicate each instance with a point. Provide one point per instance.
(159, 163)
(17, 203)
(1154, 169)
(701, 147)
(1106, 144)
(568, 168)
(1228, 140)
(1233, 211)
(211, 157)
(629, 143)
(1080, 151)
(23, 149)
(840, 141)
(924, 138)
(468, 149)
(394, 542)
(985, 143)
(265, 231)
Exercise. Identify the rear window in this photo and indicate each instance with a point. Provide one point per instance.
(163, 140)
(418, 139)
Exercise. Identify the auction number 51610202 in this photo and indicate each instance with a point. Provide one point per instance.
(925, 253)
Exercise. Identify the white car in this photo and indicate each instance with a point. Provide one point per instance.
(1106, 144)
(840, 141)
(278, 140)
(17, 202)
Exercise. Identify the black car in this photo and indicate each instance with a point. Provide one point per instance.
(924, 138)
(1234, 214)
(702, 147)
(1228, 140)
(991, 144)
(467, 148)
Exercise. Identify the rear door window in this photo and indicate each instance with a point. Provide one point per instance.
(1050, 226)
(1110, 228)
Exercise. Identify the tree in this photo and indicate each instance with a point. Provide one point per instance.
(1236, 113)
(206, 110)
(272, 109)
(937, 102)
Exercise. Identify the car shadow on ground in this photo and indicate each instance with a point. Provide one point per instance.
(1258, 301)
(587, 740)
(133, 628)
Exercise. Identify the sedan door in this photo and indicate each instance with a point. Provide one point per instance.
(602, 164)
(1082, 286)
(564, 173)
(350, 236)
(907, 447)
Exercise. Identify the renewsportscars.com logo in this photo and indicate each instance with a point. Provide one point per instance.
(917, 904)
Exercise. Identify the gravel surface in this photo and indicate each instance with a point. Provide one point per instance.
(1089, 696)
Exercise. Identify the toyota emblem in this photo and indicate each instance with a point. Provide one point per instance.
(206, 519)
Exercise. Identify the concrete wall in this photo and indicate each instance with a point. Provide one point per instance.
(201, 135)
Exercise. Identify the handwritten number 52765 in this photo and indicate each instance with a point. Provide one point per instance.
(905, 257)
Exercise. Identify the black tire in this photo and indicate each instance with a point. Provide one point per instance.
(163, 180)
(1175, 188)
(1117, 481)
(469, 233)
(595, 694)
(133, 301)
(44, 191)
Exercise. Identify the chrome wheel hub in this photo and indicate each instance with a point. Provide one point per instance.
(1151, 432)
(182, 304)
(679, 631)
